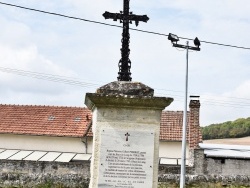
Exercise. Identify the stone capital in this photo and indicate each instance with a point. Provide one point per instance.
(127, 95)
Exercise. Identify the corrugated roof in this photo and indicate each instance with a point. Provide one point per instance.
(32, 155)
(226, 151)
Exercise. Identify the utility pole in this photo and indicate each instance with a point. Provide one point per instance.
(184, 127)
(174, 39)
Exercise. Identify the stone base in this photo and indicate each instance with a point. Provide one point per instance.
(124, 115)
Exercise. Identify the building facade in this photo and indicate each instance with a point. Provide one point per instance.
(68, 130)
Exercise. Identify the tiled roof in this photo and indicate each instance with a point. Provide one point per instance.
(171, 125)
(70, 121)
(44, 120)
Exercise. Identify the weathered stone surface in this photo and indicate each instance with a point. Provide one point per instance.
(206, 181)
(44, 174)
(126, 94)
(46, 180)
(124, 119)
(123, 88)
(227, 166)
(174, 169)
(50, 174)
(98, 100)
(127, 107)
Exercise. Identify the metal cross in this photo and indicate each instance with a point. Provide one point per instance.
(126, 18)
(127, 135)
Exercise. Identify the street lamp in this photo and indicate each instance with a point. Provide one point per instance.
(174, 39)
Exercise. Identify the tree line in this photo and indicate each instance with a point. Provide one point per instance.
(230, 129)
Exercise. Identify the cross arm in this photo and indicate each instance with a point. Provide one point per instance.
(114, 16)
(143, 18)
(138, 18)
(131, 17)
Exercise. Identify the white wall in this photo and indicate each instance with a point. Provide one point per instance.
(90, 144)
(44, 143)
(171, 149)
(66, 144)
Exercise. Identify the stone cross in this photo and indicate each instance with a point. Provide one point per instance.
(126, 18)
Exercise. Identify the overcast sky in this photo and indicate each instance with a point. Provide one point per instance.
(85, 56)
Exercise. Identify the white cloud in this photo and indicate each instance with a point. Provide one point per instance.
(19, 51)
(227, 106)
(55, 45)
(242, 91)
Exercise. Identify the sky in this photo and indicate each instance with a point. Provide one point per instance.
(52, 60)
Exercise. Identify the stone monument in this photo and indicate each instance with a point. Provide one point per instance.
(126, 127)
(125, 123)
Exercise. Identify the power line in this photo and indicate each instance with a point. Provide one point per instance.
(81, 19)
(74, 82)
(237, 104)
(225, 105)
(56, 14)
(112, 25)
(237, 98)
(206, 97)
(49, 77)
(219, 44)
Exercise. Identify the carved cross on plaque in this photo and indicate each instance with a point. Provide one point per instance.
(127, 135)
(126, 18)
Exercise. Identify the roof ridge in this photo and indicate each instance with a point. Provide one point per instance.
(30, 105)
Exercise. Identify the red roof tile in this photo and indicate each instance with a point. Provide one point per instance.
(71, 121)
(171, 125)
(44, 120)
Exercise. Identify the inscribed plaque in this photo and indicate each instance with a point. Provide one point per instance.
(126, 159)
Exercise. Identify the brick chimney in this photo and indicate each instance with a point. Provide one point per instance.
(195, 136)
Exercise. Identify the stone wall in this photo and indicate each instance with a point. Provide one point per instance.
(206, 172)
(173, 169)
(228, 166)
(44, 174)
(205, 181)
(219, 166)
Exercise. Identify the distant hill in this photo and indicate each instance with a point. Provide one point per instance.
(230, 129)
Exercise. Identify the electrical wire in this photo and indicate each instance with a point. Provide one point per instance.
(208, 97)
(226, 105)
(74, 82)
(49, 77)
(77, 82)
(212, 103)
(112, 25)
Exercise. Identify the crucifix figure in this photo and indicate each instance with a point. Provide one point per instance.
(126, 18)
(127, 135)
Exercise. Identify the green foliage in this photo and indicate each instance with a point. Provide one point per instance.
(230, 129)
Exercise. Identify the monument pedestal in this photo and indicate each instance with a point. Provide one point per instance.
(126, 127)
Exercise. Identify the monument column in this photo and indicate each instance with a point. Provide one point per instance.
(126, 127)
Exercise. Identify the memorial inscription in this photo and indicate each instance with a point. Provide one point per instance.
(126, 161)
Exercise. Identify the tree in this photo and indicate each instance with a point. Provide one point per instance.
(230, 129)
